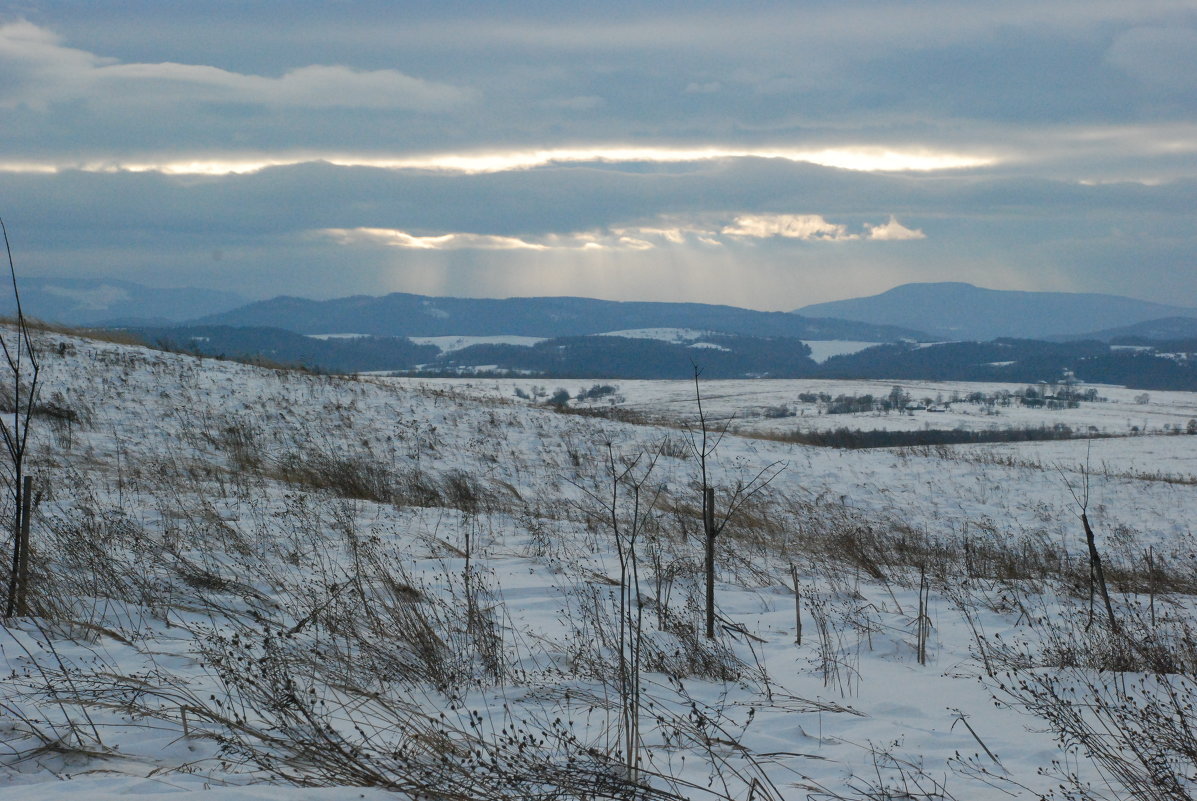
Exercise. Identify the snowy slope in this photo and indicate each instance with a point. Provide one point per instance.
(246, 579)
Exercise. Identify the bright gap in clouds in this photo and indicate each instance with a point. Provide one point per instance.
(452, 241)
(864, 159)
(807, 227)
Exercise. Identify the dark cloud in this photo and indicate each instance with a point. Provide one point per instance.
(1083, 110)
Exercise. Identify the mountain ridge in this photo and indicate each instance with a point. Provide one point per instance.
(406, 314)
(960, 311)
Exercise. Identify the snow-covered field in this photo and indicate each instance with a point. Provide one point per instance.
(247, 580)
(448, 344)
(750, 403)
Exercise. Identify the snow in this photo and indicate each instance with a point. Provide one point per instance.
(197, 482)
(448, 344)
(679, 335)
(822, 350)
(177, 787)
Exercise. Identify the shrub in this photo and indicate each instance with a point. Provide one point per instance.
(855, 438)
(560, 398)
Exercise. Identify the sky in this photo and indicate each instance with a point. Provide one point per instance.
(766, 155)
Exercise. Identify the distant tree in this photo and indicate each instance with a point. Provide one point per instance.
(560, 398)
(595, 392)
(1191, 428)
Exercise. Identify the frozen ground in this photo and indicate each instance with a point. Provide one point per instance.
(247, 579)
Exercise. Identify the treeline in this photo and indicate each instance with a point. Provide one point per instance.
(1017, 361)
(718, 355)
(1061, 395)
(858, 439)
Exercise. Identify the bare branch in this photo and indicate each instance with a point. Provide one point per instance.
(766, 476)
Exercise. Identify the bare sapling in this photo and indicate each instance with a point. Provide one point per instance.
(23, 369)
(703, 445)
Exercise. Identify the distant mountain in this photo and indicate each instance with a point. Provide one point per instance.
(1162, 330)
(408, 315)
(1173, 366)
(959, 311)
(88, 301)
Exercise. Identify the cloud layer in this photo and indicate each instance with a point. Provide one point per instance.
(775, 154)
(43, 72)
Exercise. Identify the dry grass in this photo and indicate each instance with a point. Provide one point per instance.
(286, 555)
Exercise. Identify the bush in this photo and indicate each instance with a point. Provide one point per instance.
(596, 392)
(560, 398)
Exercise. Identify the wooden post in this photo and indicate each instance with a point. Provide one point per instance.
(23, 548)
(708, 524)
(797, 606)
(924, 621)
